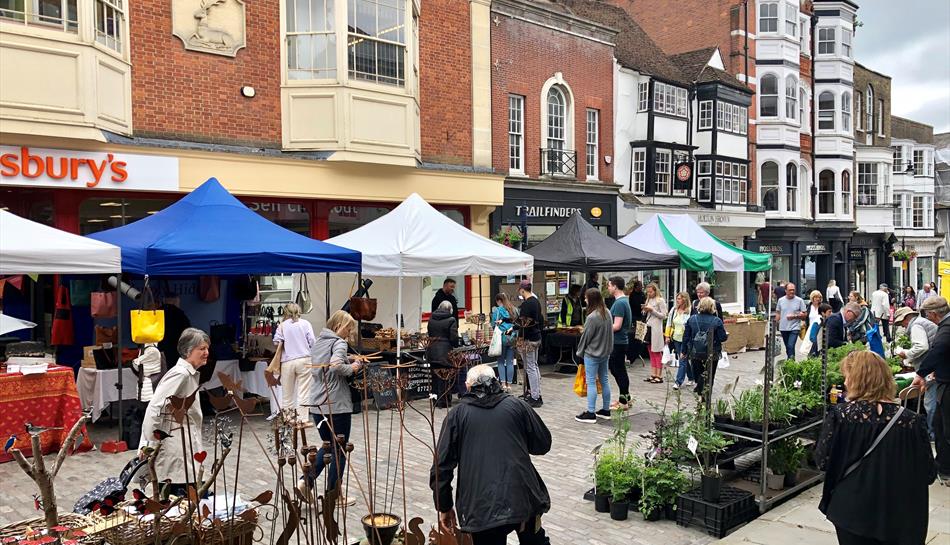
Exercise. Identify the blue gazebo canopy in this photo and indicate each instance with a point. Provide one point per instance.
(211, 232)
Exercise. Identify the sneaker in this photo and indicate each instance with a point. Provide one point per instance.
(586, 417)
(343, 500)
(535, 403)
(603, 413)
(676, 386)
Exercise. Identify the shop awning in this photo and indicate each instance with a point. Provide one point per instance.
(579, 246)
(211, 232)
(27, 247)
(415, 239)
(696, 248)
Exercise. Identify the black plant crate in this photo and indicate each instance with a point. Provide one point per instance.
(734, 508)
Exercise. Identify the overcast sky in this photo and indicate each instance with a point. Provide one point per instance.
(909, 40)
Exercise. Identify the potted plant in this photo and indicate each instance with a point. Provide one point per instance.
(661, 482)
(603, 471)
(705, 443)
(622, 481)
(785, 457)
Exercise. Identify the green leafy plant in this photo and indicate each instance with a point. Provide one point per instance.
(786, 456)
(509, 236)
(709, 441)
(661, 481)
(722, 407)
(605, 467)
(626, 476)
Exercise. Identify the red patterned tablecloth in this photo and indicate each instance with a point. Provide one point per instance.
(47, 400)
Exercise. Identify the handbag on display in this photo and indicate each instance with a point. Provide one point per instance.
(221, 333)
(102, 304)
(106, 358)
(363, 308)
(148, 326)
(209, 288)
(62, 332)
(106, 335)
(303, 298)
(80, 290)
(247, 288)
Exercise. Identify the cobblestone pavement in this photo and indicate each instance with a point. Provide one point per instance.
(566, 469)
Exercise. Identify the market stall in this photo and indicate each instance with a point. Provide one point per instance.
(577, 246)
(48, 398)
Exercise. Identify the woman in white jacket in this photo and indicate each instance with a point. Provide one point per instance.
(295, 376)
(175, 462)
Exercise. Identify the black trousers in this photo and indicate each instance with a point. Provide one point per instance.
(618, 368)
(704, 375)
(443, 389)
(847, 538)
(499, 536)
(942, 428)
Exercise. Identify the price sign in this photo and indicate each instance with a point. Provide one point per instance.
(692, 444)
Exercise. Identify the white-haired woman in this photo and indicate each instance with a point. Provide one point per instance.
(295, 377)
(175, 461)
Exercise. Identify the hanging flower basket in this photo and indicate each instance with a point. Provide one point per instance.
(509, 236)
(904, 255)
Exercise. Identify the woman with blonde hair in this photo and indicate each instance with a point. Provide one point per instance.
(861, 443)
(654, 310)
(676, 327)
(297, 339)
(814, 317)
(331, 405)
(833, 295)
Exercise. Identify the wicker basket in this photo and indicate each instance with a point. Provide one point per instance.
(137, 532)
(73, 521)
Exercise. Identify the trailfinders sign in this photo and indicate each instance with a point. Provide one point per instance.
(40, 167)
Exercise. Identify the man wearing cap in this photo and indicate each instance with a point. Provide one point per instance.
(921, 332)
(937, 361)
(881, 309)
(529, 327)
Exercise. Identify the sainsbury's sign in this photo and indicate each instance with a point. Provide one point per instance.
(40, 167)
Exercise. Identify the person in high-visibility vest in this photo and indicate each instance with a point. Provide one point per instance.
(571, 311)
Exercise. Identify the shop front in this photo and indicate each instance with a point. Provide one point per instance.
(807, 256)
(533, 211)
(867, 263)
(921, 269)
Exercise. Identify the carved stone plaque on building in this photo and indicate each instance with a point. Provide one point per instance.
(210, 26)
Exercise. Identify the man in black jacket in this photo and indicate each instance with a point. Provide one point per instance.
(837, 324)
(446, 293)
(937, 361)
(702, 290)
(529, 324)
(490, 436)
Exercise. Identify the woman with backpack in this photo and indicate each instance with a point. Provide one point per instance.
(700, 328)
(503, 316)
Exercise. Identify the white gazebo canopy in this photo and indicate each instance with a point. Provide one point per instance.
(415, 239)
(27, 247)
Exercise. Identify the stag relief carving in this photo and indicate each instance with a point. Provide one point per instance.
(211, 26)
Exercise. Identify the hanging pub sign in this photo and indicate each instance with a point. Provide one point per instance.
(684, 176)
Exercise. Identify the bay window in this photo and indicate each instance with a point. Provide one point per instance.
(900, 202)
(705, 114)
(639, 166)
(919, 168)
(826, 41)
(110, 20)
(826, 192)
(311, 39)
(770, 186)
(704, 181)
(768, 96)
(376, 41)
(643, 98)
(768, 17)
(898, 167)
(826, 110)
(669, 99)
(846, 112)
(791, 95)
(846, 192)
(791, 187)
(918, 212)
(846, 43)
(59, 14)
(867, 184)
(791, 19)
(662, 167)
(928, 212)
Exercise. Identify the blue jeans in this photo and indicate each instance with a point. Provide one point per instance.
(790, 338)
(930, 405)
(506, 364)
(337, 424)
(685, 370)
(596, 370)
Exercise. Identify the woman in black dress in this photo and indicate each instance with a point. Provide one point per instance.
(636, 349)
(880, 498)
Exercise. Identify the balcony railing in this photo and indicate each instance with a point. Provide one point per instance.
(558, 162)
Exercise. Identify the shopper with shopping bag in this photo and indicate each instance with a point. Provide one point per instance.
(503, 316)
(675, 328)
(703, 340)
(595, 346)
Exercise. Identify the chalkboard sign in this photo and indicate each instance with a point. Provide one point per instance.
(420, 381)
(381, 385)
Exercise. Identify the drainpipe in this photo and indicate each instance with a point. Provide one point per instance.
(814, 118)
(749, 144)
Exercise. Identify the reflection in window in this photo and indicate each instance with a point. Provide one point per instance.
(826, 192)
(345, 218)
(292, 216)
(100, 214)
(376, 43)
(311, 41)
(61, 14)
(770, 186)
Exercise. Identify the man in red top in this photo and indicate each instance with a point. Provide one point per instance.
(765, 293)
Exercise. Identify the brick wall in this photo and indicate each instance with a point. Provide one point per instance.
(196, 96)
(881, 85)
(524, 56)
(445, 81)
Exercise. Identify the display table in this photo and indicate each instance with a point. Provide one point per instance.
(738, 336)
(49, 400)
(97, 388)
(254, 381)
(555, 343)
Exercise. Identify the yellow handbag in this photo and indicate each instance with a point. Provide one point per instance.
(148, 326)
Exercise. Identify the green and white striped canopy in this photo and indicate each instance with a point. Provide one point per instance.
(698, 249)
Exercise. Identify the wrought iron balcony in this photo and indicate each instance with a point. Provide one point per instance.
(558, 162)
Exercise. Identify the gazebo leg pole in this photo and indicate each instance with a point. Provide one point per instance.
(118, 340)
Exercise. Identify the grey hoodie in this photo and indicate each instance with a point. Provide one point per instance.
(330, 391)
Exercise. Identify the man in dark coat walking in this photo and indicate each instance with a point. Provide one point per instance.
(491, 437)
(937, 361)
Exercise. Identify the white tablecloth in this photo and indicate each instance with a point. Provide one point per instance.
(97, 388)
(253, 381)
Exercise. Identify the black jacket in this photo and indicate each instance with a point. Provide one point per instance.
(835, 331)
(696, 308)
(531, 308)
(443, 331)
(636, 300)
(937, 359)
(490, 436)
(442, 296)
(705, 322)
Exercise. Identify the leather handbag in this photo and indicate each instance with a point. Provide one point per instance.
(80, 291)
(303, 299)
(209, 288)
(106, 358)
(106, 335)
(102, 304)
(363, 308)
(62, 331)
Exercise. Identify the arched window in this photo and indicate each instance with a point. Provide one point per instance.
(791, 187)
(768, 96)
(801, 107)
(556, 136)
(770, 186)
(869, 108)
(846, 192)
(791, 97)
(846, 112)
(826, 192)
(804, 180)
(826, 110)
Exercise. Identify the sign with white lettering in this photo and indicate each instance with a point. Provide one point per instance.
(39, 167)
(814, 248)
(546, 211)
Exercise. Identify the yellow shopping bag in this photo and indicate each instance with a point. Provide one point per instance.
(580, 382)
(148, 326)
